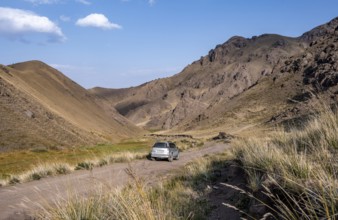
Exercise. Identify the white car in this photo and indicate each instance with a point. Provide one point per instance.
(165, 150)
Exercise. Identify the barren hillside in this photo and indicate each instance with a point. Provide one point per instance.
(227, 71)
(39, 106)
(241, 82)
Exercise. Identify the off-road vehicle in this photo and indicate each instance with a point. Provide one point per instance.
(165, 150)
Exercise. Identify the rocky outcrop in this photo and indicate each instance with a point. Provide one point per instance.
(320, 31)
(227, 71)
(319, 63)
(209, 85)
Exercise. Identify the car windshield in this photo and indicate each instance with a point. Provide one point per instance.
(160, 145)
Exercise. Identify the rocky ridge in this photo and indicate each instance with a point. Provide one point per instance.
(227, 71)
(206, 89)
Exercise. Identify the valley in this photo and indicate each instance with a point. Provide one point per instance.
(19, 201)
(273, 98)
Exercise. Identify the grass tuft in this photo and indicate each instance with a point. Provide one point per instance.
(296, 169)
(62, 168)
(13, 180)
(87, 165)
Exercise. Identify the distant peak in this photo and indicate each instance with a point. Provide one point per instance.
(333, 21)
(238, 41)
(320, 31)
(236, 38)
(33, 64)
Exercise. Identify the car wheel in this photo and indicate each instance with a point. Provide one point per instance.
(177, 157)
(152, 158)
(170, 158)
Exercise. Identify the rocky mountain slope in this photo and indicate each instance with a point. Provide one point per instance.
(225, 72)
(296, 87)
(241, 82)
(39, 106)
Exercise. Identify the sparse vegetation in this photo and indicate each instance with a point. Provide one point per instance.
(178, 198)
(40, 171)
(297, 170)
(62, 161)
(185, 144)
(87, 165)
(57, 161)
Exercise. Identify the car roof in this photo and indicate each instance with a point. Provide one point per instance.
(169, 142)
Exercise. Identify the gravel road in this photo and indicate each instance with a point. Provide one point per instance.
(16, 201)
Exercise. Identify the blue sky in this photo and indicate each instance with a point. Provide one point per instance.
(122, 43)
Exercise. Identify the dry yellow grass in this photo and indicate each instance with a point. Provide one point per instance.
(296, 169)
(177, 198)
(301, 164)
(51, 169)
(56, 162)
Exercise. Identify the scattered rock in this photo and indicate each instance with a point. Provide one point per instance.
(49, 115)
(301, 98)
(29, 114)
(171, 136)
(279, 43)
(200, 117)
(223, 136)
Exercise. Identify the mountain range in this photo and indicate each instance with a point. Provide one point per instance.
(244, 82)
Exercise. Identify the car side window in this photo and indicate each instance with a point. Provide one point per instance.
(172, 145)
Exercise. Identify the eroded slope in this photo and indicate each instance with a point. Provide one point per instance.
(42, 107)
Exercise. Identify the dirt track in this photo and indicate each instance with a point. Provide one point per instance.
(17, 200)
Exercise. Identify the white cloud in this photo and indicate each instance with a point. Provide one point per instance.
(16, 23)
(85, 2)
(98, 21)
(45, 2)
(42, 2)
(150, 2)
(64, 18)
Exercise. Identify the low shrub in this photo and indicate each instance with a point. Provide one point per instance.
(103, 162)
(14, 180)
(84, 166)
(62, 168)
